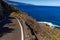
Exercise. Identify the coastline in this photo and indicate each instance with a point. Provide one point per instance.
(50, 24)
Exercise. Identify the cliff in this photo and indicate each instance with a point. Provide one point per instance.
(5, 8)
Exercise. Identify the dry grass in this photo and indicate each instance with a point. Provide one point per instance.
(53, 32)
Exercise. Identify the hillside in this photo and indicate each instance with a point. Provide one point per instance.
(42, 31)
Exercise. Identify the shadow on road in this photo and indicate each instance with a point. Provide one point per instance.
(4, 30)
(6, 10)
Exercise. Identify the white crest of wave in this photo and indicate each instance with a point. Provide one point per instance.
(51, 24)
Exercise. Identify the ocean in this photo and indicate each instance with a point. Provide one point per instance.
(43, 14)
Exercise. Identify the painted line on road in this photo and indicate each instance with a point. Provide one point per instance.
(22, 34)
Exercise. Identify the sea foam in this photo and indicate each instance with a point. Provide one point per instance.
(51, 24)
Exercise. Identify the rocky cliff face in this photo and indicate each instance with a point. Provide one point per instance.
(5, 9)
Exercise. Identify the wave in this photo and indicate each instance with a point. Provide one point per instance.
(51, 24)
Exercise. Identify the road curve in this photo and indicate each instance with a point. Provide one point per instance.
(22, 33)
(10, 29)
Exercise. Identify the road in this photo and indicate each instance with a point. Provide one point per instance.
(12, 30)
(21, 27)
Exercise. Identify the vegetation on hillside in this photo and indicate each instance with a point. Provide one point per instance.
(52, 33)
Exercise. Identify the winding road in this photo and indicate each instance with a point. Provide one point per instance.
(13, 29)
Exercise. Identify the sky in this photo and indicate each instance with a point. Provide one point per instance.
(41, 2)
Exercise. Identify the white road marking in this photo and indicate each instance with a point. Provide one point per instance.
(22, 34)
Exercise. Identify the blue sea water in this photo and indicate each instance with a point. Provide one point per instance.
(45, 14)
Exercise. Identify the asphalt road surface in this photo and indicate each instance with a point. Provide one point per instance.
(10, 29)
